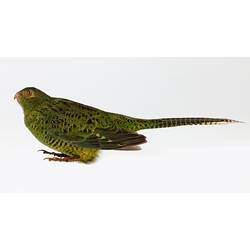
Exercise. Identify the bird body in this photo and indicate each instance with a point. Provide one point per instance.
(79, 131)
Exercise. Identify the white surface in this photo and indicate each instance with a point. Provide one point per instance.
(187, 159)
(131, 28)
(125, 221)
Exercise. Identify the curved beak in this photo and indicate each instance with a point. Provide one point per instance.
(16, 96)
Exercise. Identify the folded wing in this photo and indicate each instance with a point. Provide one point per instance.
(106, 139)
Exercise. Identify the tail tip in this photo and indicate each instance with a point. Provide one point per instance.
(234, 121)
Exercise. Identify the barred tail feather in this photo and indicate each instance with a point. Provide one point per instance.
(176, 122)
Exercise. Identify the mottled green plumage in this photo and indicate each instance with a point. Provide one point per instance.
(79, 131)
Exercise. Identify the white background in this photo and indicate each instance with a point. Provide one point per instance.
(118, 28)
(186, 159)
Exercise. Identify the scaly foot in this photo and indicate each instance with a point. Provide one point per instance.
(64, 159)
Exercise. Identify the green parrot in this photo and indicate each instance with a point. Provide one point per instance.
(78, 132)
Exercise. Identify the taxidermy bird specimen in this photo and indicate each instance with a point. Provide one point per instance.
(78, 132)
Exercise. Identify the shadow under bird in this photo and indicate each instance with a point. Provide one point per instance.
(78, 132)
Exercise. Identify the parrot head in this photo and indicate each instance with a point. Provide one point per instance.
(30, 98)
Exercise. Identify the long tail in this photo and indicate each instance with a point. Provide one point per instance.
(176, 122)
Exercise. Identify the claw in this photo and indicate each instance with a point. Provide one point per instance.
(43, 151)
(47, 158)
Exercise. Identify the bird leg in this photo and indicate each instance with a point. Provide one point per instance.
(64, 159)
(53, 153)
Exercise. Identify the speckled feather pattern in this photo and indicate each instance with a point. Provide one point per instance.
(79, 130)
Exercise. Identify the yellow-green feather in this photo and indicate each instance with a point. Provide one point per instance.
(75, 129)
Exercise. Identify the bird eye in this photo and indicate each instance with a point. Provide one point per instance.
(28, 93)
